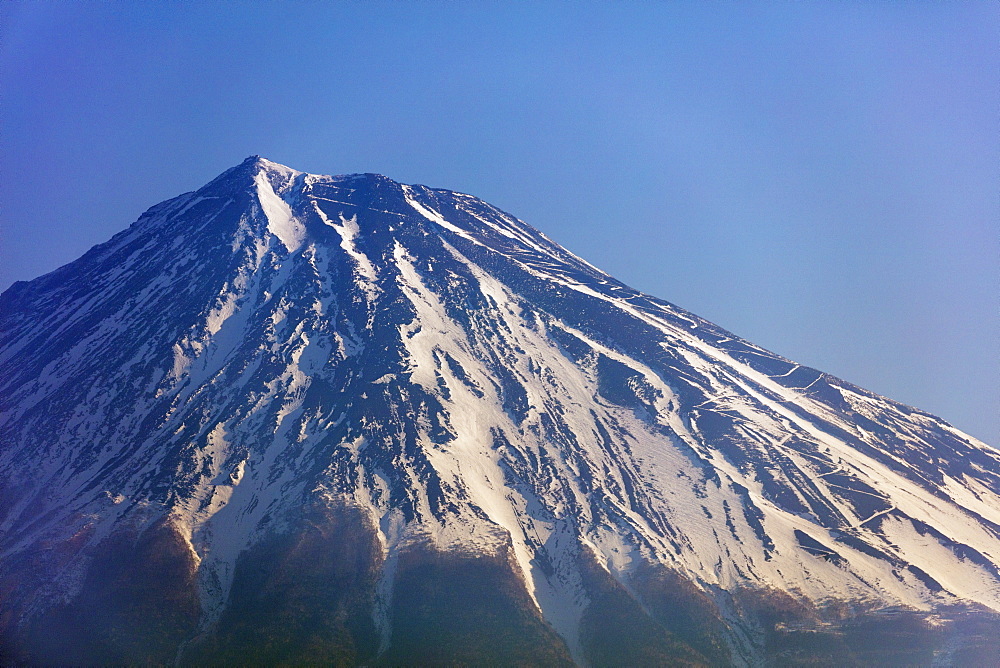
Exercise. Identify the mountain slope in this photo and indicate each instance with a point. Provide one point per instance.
(438, 417)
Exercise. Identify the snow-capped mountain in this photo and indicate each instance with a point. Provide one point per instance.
(292, 417)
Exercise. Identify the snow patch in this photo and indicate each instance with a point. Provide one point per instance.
(280, 221)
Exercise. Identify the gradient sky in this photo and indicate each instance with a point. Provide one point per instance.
(820, 178)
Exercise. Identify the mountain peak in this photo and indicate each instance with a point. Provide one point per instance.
(259, 161)
(264, 163)
(253, 165)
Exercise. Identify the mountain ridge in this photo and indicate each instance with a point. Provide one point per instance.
(278, 345)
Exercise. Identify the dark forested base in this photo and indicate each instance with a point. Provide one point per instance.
(138, 602)
(675, 603)
(467, 609)
(308, 596)
(304, 597)
(796, 634)
(617, 631)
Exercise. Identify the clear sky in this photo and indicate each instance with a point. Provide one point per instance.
(820, 178)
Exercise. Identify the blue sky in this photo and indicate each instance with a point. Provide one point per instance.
(820, 178)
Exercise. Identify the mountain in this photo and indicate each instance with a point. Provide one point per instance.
(292, 418)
